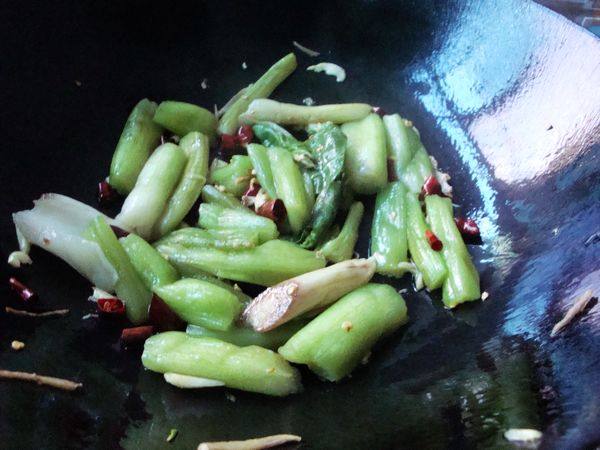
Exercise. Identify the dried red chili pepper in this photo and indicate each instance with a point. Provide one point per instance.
(24, 292)
(136, 335)
(228, 142)
(467, 226)
(106, 193)
(431, 186)
(273, 209)
(244, 135)
(163, 317)
(433, 240)
(111, 306)
(252, 189)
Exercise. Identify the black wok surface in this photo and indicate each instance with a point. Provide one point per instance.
(505, 94)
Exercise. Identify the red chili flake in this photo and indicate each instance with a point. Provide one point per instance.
(431, 186)
(228, 142)
(273, 209)
(119, 232)
(379, 111)
(112, 306)
(434, 242)
(136, 335)
(24, 292)
(106, 193)
(252, 190)
(467, 226)
(163, 317)
(244, 135)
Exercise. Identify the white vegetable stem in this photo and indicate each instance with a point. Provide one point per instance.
(190, 382)
(289, 299)
(263, 109)
(56, 223)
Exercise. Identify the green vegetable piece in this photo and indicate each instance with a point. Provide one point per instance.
(195, 146)
(201, 303)
(139, 137)
(323, 214)
(462, 282)
(417, 171)
(335, 342)
(183, 118)
(228, 238)
(234, 177)
(211, 194)
(266, 265)
(262, 167)
(145, 204)
(328, 145)
(216, 217)
(289, 187)
(243, 298)
(429, 262)
(341, 247)
(366, 154)
(251, 368)
(130, 287)
(153, 269)
(265, 110)
(388, 232)
(273, 135)
(402, 142)
(262, 88)
(244, 336)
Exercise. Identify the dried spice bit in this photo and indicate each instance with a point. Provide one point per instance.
(433, 240)
(254, 444)
(163, 317)
(525, 435)
(20, 312)
(431, 186)
(58, 383)
(24, 292)
(107, 195)
(347, 325)
(136, 335)
(119, 232)
(244, 135)
(172, 435)
(391, 170)
(467, 226)
(111, 306)
(273, 209)
(578, 307)
(228, 142)
(484, 295)
(17, 345)
(252, 189)
(379, 111)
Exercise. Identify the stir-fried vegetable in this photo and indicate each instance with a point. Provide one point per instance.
(234, 177)
(291, 298)
(146, 202)
(266, 265)
(335, 342)
(140, 136)
(216, 217)
(341, 247)
(260, 89)
(226, 238)
(201, 303)
(183, 118)
(252, 368)
(262, 168)
(153, 269)
(195, 147)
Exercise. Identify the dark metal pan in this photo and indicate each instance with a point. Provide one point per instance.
(506, 96)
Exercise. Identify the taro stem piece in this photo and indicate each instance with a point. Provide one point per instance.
(289, 299)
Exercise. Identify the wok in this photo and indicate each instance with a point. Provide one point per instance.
(505, 94)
